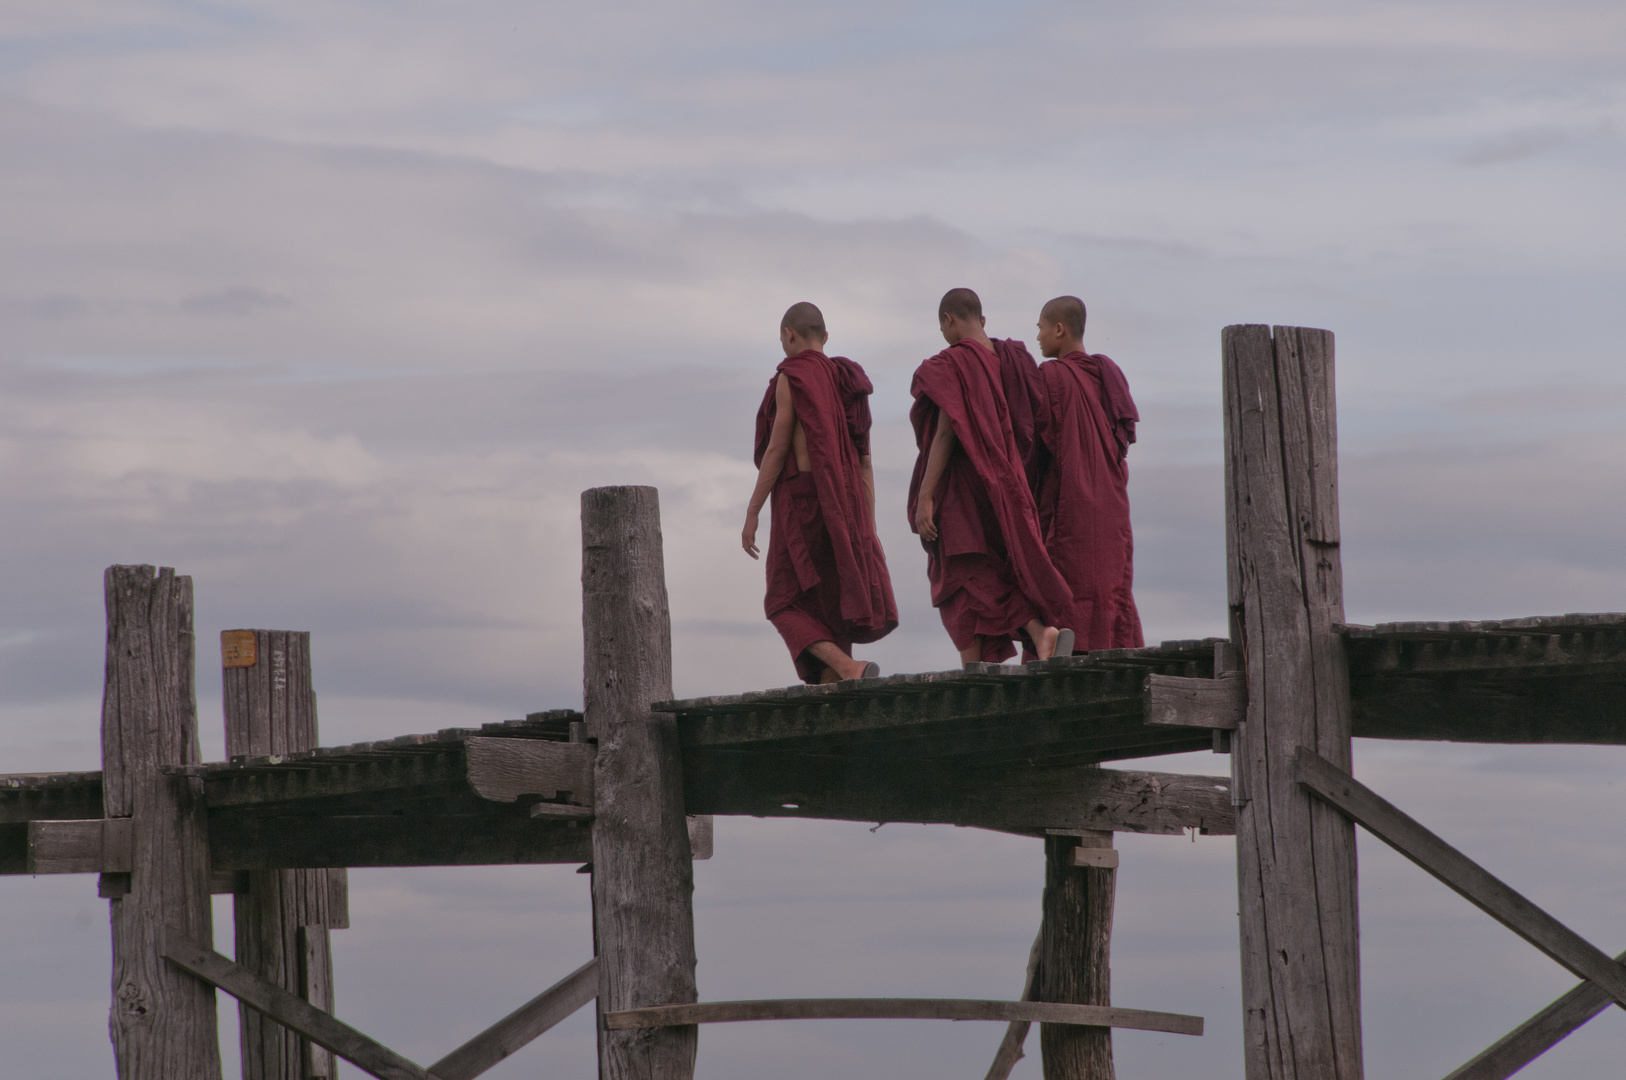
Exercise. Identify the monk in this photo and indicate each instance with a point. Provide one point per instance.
(970, 500)
(828, 586)
(1085, 421)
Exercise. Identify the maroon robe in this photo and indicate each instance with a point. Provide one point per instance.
(1086, 420)
(827, 577)
(988, 567)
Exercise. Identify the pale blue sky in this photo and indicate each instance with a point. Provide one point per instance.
(338, 306)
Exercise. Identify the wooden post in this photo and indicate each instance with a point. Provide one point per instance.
(163, 1019)
(643, 880)
(284, 917)
(1295, 856)
(1074, 954)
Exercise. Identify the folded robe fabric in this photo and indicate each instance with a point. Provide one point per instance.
(825, 568)
(988, 565)
(1083, 494)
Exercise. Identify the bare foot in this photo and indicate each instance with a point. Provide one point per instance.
(1045, 643)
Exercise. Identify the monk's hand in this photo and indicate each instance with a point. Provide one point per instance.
(748, 536)
(924, 523)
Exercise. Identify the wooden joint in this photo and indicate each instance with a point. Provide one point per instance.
(1096, 858)
(89, 846)
(1176, 701)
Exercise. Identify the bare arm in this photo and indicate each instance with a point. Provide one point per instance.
(943, 444)
(867, 475)
(773, 462)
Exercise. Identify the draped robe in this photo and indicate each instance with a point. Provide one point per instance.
(827, 576)
(988, 567)
(1085, 420)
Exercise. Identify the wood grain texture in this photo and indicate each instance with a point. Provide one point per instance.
(261, 841)
(1175, 701)
(506, 770)
(282, 917)
(80, 847)
(1459, 873)
(1075, 957)
(1536, 1035)
(203, 965)
(522, 1025)
(163, 1021)
(643, 875)
(1295, 858)
(1043, 1012)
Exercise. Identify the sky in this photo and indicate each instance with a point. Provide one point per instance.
(337, 307)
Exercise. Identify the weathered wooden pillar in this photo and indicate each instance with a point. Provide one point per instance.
(1074, 955)
(643, 880)
(284, 917)
(1295, 856)
(163, 1019)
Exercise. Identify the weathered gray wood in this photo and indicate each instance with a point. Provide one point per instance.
(643, 876)
(163, 1022)
(1537, 1035)
(853, 788)
(1295, 858)
(1042, 1012)
(505, 770)
(282, 918)
(1016, 1033)
(241, 841)
(1075, 956)
(80, 847)
(1459, 873)
(702, 833)
(1096, 858)
(50, 797)
(287, 1009)
(520, 1026)
(1175, 701)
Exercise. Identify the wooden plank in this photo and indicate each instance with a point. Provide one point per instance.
(281, 918)
(1016, 1033)
(506, 770)
(79, 847)
(522, 1025)
(1174, 701)
(1536, 1035)
(163, 1023)
(643, 873)
(854, 787)
(1044, 1012)
(254, 841)
(50, 797)
(1075, 955)
(1295, 857)
(289, 1010)
(1459, 873)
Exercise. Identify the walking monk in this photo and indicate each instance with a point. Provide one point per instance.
(827, 582)
(970, 501)
(1086, 419)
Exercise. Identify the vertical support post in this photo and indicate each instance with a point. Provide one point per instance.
(284, 917)
(1074, 957)
(163, 1019)
(1295, 856)
(643, 879)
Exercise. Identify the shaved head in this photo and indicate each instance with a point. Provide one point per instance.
(961, 303)
(1067, 310)
(804, 320)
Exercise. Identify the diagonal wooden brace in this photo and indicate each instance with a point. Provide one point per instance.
(1536, 1035)
(1467, 878)
(520, 1026)
(289, 1010)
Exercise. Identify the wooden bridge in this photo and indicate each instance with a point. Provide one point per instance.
(628, 788)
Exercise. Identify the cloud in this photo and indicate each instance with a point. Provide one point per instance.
(1516, 145)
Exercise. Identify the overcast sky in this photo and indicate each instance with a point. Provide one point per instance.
(337, 307)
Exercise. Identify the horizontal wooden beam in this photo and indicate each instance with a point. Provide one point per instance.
(1465, 877)
(289, 1010)
(855, 787)
(79, 847)
(50, 797)
(507, 770)
(520, 1026)
(241, 840)
(1176, 701)
(1536, 1035)
(1044, 1012)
